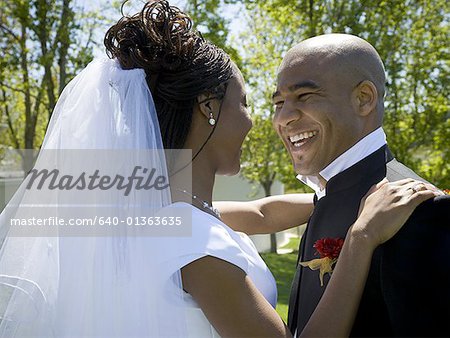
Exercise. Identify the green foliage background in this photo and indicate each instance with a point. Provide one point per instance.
(412, 39)
(44, 43)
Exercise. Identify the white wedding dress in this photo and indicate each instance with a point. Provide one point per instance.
(109, 286)
(211, 237)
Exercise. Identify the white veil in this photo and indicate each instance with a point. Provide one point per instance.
(109, 285)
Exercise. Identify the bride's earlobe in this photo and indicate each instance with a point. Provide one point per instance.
(207, 105)
(212, 120)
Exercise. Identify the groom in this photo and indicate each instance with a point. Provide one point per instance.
(329, 112)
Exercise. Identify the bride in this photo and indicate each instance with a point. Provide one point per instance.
(166, 87)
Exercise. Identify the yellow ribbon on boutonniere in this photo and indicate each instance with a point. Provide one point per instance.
(329, 250)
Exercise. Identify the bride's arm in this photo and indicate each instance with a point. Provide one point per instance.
(336, 311)
(267, 215)
(235, 307)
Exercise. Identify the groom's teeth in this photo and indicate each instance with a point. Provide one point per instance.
(302, 136)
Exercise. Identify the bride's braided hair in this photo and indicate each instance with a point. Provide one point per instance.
(180, 65)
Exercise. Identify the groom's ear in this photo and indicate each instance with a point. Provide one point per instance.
(208, 104)
(365, 97)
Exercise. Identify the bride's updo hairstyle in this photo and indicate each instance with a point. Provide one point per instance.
(180, 65)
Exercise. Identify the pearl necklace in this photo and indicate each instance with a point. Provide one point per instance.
(203, 203)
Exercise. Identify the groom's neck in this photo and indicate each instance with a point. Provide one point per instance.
(322, 182)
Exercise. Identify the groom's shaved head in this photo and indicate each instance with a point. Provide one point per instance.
(330, 90)
(351, 57)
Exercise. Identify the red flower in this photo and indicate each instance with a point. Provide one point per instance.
(447, 191)
(329, 247)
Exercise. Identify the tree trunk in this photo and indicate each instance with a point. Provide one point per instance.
(312, 23)
(28, 132)
(67, 16)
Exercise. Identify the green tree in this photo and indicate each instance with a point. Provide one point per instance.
(44, 43)
(412, 39)
(264, 42)
(264, 158)
(209, 20)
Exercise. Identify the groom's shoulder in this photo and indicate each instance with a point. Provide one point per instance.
(424, 240)
(428, 227)
(432, 210)
(435, 211)
(396, 171)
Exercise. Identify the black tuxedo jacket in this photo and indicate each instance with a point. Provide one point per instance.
(407, 292)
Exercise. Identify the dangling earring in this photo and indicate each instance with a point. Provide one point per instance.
(212, 120)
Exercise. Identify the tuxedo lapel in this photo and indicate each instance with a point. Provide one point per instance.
(293, 298)
(293, 306)
(361, 171)
(400, 297)
(333, 215)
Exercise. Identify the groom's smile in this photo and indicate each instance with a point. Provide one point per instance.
(301, 144)
(314, 111)
(300, 139)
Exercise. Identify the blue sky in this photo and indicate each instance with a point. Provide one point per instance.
(230, 11)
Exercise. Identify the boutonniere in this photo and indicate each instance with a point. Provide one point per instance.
(446, 191)
(328, 249)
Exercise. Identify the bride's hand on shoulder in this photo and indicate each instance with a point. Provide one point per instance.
(387, 206)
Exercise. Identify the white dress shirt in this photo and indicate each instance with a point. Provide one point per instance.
(365, 147)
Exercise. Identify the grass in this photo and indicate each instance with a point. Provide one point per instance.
(283, 269)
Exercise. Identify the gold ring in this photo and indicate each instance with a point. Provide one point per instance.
(415, 188)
